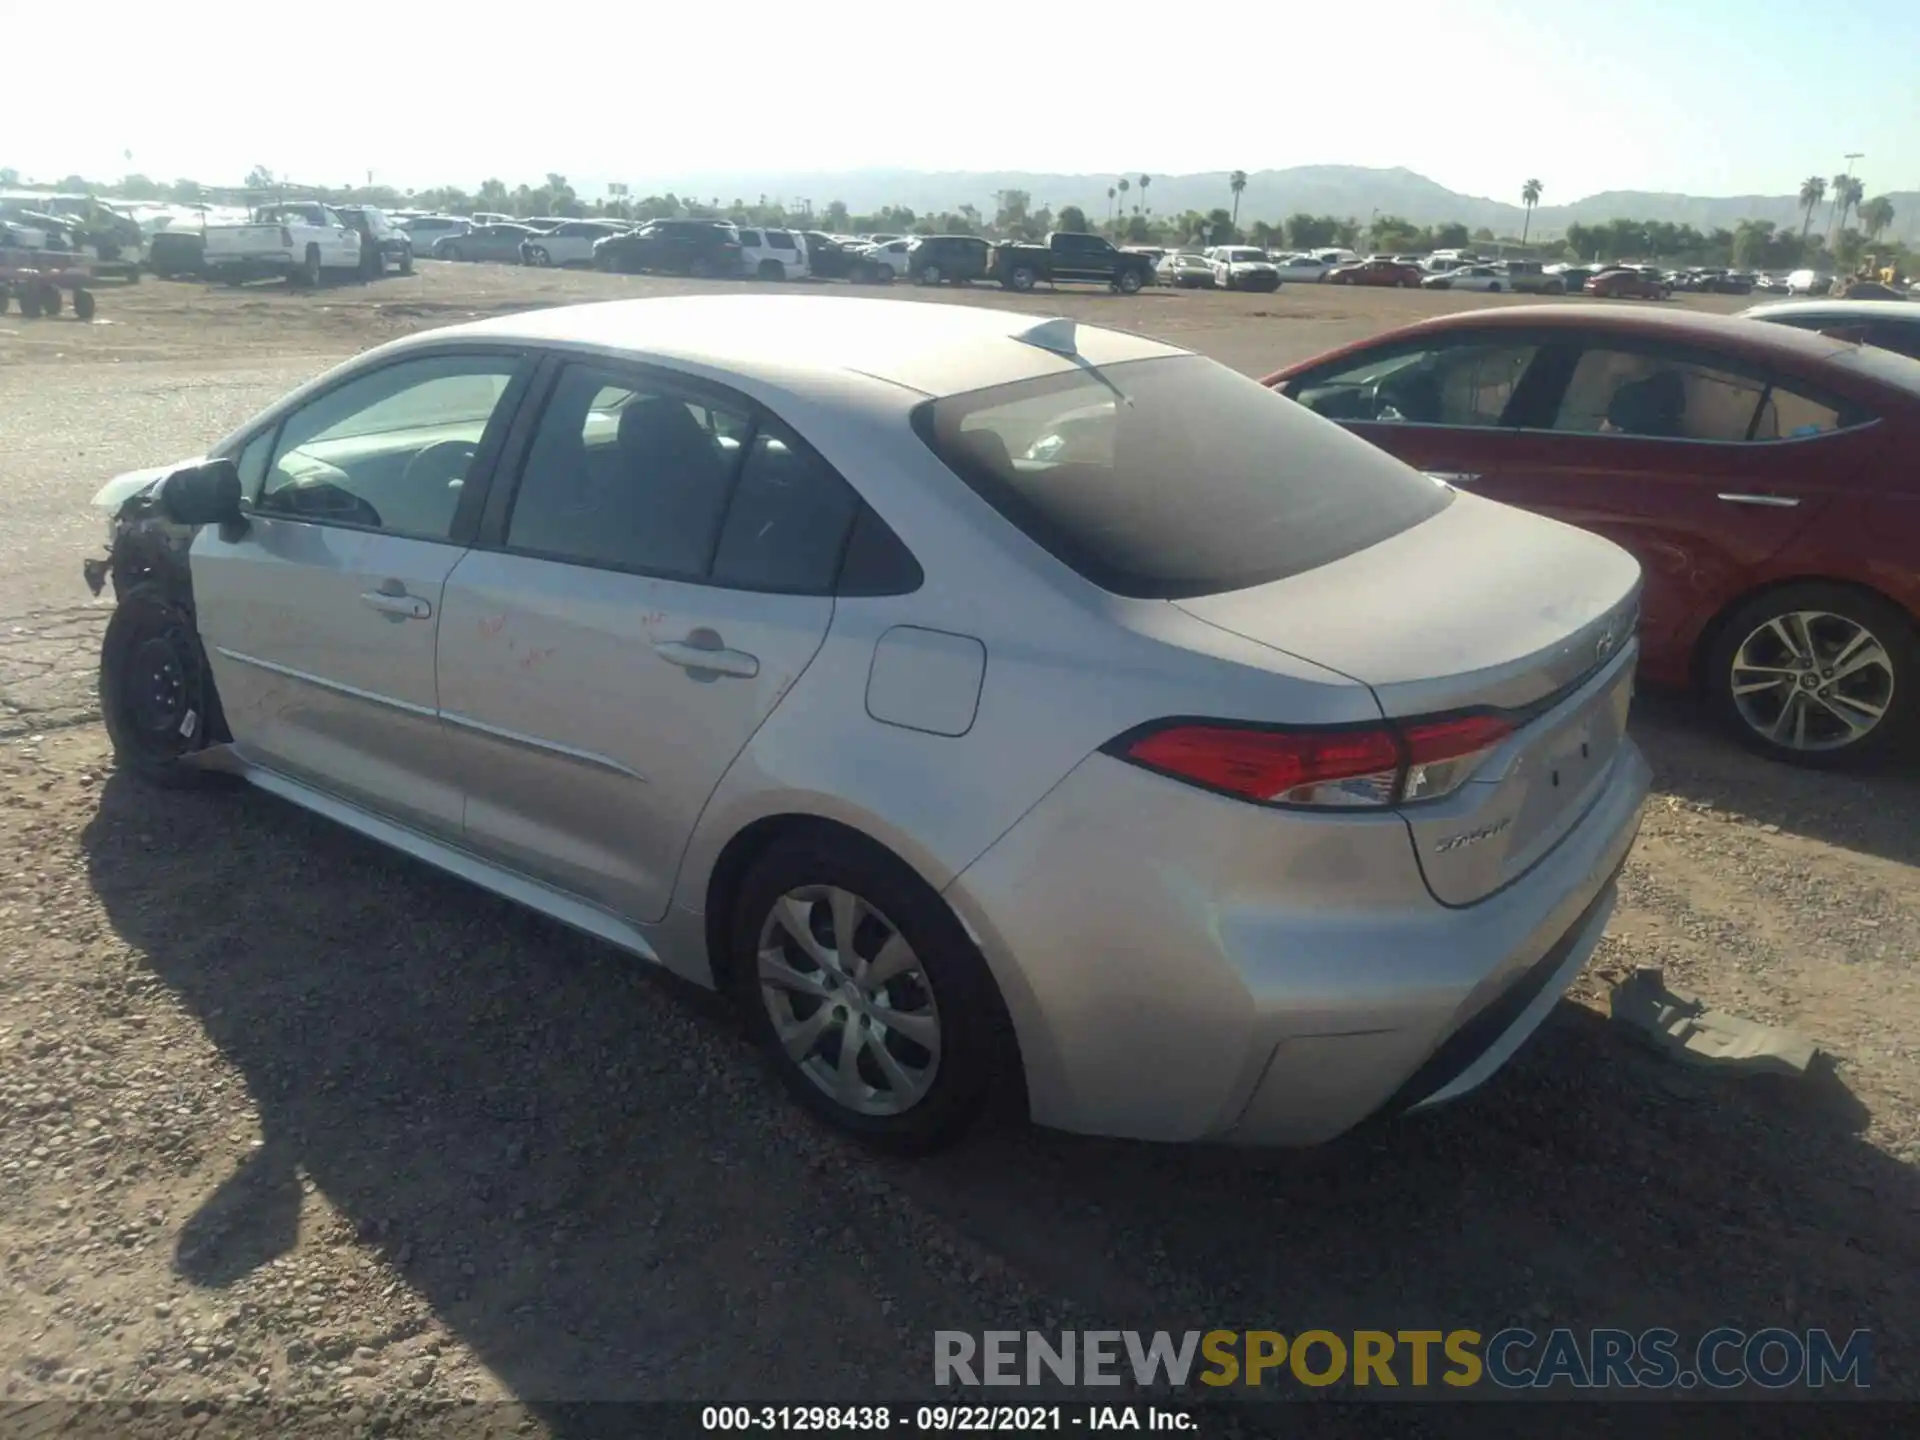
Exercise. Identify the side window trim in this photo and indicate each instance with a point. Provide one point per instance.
(479, 482)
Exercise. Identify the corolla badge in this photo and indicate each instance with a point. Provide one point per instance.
(1472, 837)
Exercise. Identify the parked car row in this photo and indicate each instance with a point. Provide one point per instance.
(721, 249)
(1238, 267)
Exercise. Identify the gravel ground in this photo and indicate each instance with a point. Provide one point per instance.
(287, 1118)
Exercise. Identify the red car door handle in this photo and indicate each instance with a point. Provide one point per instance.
(1777, 502)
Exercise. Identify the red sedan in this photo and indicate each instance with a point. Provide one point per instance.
(1764, 478)
(1627, 285)
(1375, 272)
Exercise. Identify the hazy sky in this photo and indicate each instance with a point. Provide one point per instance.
(1707, 96)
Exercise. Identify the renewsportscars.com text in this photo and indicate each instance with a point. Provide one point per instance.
(1511, 1359)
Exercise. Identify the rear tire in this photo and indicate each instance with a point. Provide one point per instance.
(83, 305)
(916, 1098)
(772, 270)
(1747, 649)
(156, 692)
(51, 300)
(1494, 288)
(308, 276)
(1022, 278)
(406, 262)
(1129, 282)
(30, 302)
(930, 275)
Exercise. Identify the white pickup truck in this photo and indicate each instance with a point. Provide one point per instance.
(300, 240)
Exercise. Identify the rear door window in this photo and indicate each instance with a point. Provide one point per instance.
(1659, 396)
(788, 521)
(1173, 477)
(626, 474)
(750, 237)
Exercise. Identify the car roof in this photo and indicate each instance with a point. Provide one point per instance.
(1838, 310)
(934, 349)
(1730, 331)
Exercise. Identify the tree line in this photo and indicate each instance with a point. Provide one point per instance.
(1855, 226)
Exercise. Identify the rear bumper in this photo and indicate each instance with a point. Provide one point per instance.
(259, 264)
(1178, 967)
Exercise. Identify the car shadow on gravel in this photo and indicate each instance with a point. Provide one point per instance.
(594, 1187)
(1871, 810)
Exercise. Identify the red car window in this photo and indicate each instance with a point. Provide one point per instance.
(1658, 397)
(1455, 383)
(1789, 416)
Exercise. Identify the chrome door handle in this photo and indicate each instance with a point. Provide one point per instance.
(736, 663)
(1777, 502)
(400, 607)
(1454, 477)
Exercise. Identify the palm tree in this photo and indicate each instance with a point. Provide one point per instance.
(1845, 192)
(1125, 185)
(1813, 190)
(1145, 180)
(1529, 197)
(1876, 215)
(1111, 193)
(1849, 191)
(1237, 182)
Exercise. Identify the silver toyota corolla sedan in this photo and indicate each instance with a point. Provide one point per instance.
(976, 697)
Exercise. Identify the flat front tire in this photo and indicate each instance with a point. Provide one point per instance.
(861, 986)
(156, 692)
(1815, 674)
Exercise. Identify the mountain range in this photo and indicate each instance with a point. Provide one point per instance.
(1345, 190)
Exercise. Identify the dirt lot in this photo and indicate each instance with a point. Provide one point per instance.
(284, 1117)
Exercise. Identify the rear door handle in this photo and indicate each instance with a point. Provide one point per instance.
(1777, 502)
(1457, 477)
(736, 663)
(396, 603)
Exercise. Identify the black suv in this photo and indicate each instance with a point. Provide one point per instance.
(382, 243)
(955, 259)
(827, 258)
(673, 247)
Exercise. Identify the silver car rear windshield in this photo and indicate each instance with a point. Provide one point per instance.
(1170, 478)
(1889, 367)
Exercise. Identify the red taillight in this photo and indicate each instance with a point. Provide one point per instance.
(1276, 766)
(1431, 740)
(1369, 766)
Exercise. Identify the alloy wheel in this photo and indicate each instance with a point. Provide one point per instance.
(1811, 680)
(850, 1004)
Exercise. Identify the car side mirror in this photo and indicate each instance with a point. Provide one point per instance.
(206, 494)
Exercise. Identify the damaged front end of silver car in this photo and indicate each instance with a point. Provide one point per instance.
(157, 694)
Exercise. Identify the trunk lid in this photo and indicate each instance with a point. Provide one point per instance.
(1482, 607)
